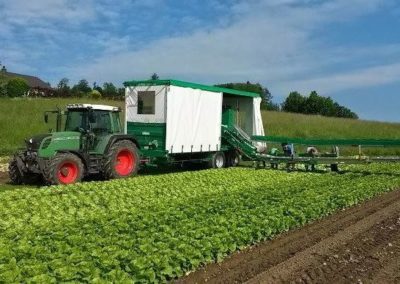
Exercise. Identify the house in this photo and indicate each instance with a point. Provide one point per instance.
(37, 87)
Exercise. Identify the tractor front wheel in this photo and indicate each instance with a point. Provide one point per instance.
(122, 160)
(64, 168)
(14, 173)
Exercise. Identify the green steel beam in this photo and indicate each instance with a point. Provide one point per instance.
(191, 85)
(329, 142)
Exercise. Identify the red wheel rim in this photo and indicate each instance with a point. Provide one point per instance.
(68, 173)
(125, 163)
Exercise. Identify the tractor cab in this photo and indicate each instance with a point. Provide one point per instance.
(98, 119)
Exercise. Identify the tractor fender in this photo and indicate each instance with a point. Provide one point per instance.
(119, 137)
(84, 158)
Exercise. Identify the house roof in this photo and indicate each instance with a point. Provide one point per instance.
(191, 85)
(32, 81)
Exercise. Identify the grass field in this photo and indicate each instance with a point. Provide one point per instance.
(21, 118)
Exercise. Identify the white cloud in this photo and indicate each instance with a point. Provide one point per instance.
(271, 42)
(362, 78)
(22, 12)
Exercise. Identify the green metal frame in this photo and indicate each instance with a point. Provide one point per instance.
(151, 138)
(184, 84)
(329, 142)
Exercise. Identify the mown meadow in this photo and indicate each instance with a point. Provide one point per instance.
(22, 118)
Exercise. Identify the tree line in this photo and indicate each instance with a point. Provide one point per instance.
(316, 104)
(83, 89)
(295, 102)
(266, 103)
(18, 87)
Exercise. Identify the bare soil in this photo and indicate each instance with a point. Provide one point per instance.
(357, 245)
(4, 177)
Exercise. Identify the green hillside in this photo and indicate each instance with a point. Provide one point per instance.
(307, 126)
(21, 118)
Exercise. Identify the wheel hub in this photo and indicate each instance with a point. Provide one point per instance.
(64, 171)
(68, 172)
(125, 163)
(219, 161)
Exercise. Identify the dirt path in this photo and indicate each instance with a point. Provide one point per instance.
(358, 245)
(4, 177)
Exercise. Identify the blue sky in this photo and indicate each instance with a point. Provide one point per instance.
(346, 49)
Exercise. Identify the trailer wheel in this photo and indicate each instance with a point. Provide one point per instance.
(14, 173)
(64, 168)
(122, 160)
(233, 159)
(218, 160)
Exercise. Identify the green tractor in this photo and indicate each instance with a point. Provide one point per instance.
(92, 142)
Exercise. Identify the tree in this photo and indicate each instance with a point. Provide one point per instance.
(63, 89)
(3, 90)
(109, 90)
(3, 85)
(315, 104)
(254, 88)
(295, 102)
(121, 93)
(17, 87)
(81, 89)
(97, 88)
(154, 76)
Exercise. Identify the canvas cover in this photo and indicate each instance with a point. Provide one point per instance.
(131, 100)
(258, 127)
(193, 120)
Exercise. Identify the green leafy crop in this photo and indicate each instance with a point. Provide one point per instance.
(155, 228)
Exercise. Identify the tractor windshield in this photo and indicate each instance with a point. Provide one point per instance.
(77, 120)
(97, 121)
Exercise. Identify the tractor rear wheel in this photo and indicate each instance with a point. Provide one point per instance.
(14, 172)
(64, 168)
(122, 160)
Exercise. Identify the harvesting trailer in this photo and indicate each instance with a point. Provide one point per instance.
(166, 122)
(176, 121)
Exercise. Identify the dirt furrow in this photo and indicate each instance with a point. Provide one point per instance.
(340, 248)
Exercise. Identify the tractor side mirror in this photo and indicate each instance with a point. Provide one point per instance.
(46, 118)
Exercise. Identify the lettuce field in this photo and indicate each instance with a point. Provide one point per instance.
(156, 228)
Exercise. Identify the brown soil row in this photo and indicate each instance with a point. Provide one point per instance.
(360, 244)
(4, 177)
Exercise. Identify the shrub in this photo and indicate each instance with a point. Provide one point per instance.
(17, 87)
(95, 95)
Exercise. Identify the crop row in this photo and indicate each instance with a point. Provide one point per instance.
(155, 228)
